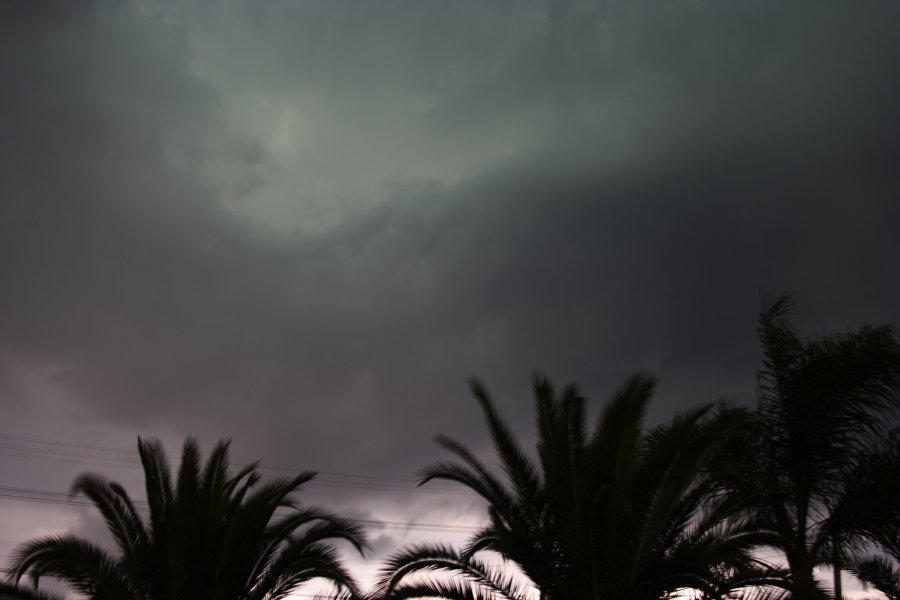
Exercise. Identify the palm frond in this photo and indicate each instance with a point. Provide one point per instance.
(519, 468)
(118, 512)
(425, 558)
(483, 539)
(298, 563)
(479, 480)
(450, 589)
(761, 593)
(9, 591)
(158, 478)
(333, 528)
(881, 572)
(617, 434)
(83, 565)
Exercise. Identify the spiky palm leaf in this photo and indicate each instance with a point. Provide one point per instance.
(210, 535)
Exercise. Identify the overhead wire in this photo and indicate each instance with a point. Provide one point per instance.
(51, 497)
(30, 448)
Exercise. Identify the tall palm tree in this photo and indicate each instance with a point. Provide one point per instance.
(617, 512)
(822, 401)
(209, 535)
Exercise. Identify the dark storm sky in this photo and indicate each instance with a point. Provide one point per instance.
(302, 225)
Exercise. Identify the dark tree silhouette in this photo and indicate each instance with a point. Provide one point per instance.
(10, 591)
(616, 512)
(209, 535)
(823, 403)
(869, 519)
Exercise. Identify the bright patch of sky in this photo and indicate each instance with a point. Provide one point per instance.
(337, 130)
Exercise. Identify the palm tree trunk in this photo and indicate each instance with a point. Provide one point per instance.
(803, 581)
(836, 565)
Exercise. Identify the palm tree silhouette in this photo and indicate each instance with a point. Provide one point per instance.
(11, 591)
(868, 518)
(881, 570)
(618, 512)
(822, 402)
(209, 535)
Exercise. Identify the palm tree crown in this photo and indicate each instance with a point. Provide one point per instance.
(824, 404)
(616, 512)
(210, 535)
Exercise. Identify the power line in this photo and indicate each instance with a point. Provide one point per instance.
(65, 444)
(50, 497)
(126, 460)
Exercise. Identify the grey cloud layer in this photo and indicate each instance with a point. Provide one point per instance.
(589, 188)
